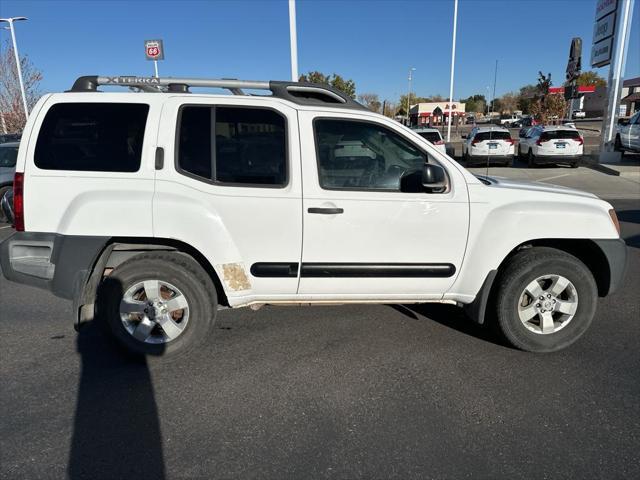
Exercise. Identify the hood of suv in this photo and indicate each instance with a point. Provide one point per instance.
(500, 182)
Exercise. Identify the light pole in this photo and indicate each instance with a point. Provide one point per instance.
(15, 51)
(411, 70)
(453, 62)
(293, 38)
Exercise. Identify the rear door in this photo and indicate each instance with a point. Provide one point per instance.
(231, 188)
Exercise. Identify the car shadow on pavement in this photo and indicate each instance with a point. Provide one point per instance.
(450, 316)
(116, 431)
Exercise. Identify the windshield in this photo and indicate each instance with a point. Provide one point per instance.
(8, 156)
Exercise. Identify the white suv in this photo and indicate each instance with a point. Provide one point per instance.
(488, 145)
(628, 136)
(433, 135)
(151, 210)
(551, 144)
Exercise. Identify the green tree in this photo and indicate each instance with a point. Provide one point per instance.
(590, 78)
(526, 96)
(336, 81)
(475, 103)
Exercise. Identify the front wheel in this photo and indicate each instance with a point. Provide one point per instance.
(158, 304)
(545, 300)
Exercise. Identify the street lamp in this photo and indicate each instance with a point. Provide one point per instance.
(15, 51)
(411, 70)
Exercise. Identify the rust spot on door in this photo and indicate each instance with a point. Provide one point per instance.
(235, 277)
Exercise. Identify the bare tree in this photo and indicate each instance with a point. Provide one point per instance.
(509, 102)
(371, 101)
(11, 108)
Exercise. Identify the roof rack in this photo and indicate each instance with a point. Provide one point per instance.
(302, 93)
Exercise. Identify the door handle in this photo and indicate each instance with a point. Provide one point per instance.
(159, 158)
(326, 210)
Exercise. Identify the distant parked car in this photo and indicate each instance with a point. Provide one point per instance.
(527, 121)
(434, 136)
(551, 144)
(578, 114)
(488, 144)
(628, 136)
(509, 120)
(8, 156)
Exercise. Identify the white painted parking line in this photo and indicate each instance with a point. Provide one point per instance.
(8, 226)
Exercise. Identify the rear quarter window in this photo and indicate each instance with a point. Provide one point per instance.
(97, 137)
(433, 137)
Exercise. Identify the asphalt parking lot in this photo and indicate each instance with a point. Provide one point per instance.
(328, 392)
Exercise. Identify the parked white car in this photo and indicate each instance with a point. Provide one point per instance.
(151, 210)
(509, 120)
(628, 136)
(551, 144)
(433, 135)
(486, 145)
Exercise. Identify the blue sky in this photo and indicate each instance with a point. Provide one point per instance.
(372, 42)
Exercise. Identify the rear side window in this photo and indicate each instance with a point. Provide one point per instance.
(433, 137)
(233, 145)
(8, 156)
(560, 134)
(482, 136)
(97, 137)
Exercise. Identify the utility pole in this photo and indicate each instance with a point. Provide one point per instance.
(495, 78)
(411, 70)
(293, 38)
(453, 63)
(15, 51)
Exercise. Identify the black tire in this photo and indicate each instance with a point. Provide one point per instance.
(573, 164)
(467, 160)
(177, 269)
(509, 163)
(523, 268)
(617, 146)
(3, 190)
(531, 159)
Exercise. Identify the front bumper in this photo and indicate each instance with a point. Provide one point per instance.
(58, 263)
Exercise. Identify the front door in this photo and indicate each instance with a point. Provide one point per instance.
(365, 236)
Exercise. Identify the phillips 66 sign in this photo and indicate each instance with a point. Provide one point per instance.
(154, 50)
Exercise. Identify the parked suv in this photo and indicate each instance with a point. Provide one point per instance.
(151, 210)
(628, 136)
(486, 145)
(551, 144)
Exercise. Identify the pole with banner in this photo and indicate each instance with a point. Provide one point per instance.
(610, 44)
(154, 50)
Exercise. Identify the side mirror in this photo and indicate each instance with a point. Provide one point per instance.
(434, 178)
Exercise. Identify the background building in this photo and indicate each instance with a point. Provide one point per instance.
(436, 113)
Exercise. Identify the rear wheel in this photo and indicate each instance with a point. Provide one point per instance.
(545, 300)
(617, 145)
(574, 164)
(158, 304)
(531, 159)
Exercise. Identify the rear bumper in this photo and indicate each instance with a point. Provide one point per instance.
(58, 263)
(615, 251)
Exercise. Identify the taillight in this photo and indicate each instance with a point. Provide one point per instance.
(474, 141)
(18, 201)
(580, 140)
(510, 141)
(540, 141)
(439, 142)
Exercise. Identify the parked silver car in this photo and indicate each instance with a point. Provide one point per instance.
(8, 155)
